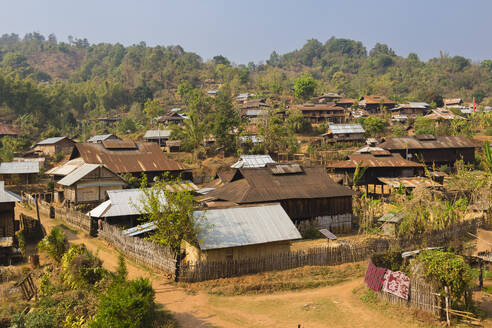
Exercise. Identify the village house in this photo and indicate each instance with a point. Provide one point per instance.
(159, 137)
(64, 169)
(412, 109)
(173, 146)
(452, 102)
(329, 97)
(7, 222)
(346, 102)
(15, 173)
(7, 130)
(307, 194)
(252, 161)
(442, 114)
(319, 113)
(375, 104)
(377, 163)
(171, 118)
(243, 232)
(439, 150)
(344, 133)
(129, 157)
(124, 207)
(102, 137)
(212, 93)
(55, 145)
(88, 184)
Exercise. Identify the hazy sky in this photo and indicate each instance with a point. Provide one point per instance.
(250, 30)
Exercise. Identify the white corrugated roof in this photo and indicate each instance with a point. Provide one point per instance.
(346, 128)
(8, 196)
(156, 134)
(250, 161)
(19, 167)
(253, 139)
(50, 141)
(78, 174)
(67, 168)
(241, 226)
(100, 137)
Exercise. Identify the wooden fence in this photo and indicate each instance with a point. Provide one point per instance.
(199, 271)
(421, 296)
(74, 218)
(140, 250)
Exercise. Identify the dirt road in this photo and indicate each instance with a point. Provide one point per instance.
(335, 306)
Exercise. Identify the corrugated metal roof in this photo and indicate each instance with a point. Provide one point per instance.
(156, 134)
(66, 168)
(119, 144)
(140, 229)
(250, 161)
(8, 196)
(19, 167)
(391, 218)
(241, 226)
(409, 182)
(101, 137)
(7, 129)
(99, 211)
(345, 128)
(441, 113)
(428, 143)
(51, 141)
(252, 139)
(147, 157)
(371, 160)
(255, 112)
(79, 173)
(260, 185)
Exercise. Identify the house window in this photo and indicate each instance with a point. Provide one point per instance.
(229, 254)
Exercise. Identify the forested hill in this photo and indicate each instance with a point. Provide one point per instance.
(58, 82)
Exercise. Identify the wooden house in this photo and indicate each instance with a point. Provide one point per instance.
(240, 233)
(7, 222)
(346, 102)
(7, 130)
(390, 223)
(307, 194)
(319, 113)
(452, 102)
(88, 184)
(344, 133)
(329, 97)
(15, 173)
(130, 157)
(52, 146)
(412, 109)
(160, 137)
(124, 207)
(443, 114)
(102, 137)
(439, 150)
(377, 163)
(171, 118)
(375, 104)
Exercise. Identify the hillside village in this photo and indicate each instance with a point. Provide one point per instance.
(207, 180)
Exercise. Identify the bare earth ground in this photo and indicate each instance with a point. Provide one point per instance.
(335, 306)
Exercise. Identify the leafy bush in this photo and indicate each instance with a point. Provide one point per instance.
(80, 267)
(488, 132)
(447, 269)
(58, 157)
(390, 260)
(35, 319)
(126, 304)
(54, 244)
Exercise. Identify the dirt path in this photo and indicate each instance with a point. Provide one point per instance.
(335, 306)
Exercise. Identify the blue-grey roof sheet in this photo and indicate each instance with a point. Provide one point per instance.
(242, 226)
(251, 161)
(345, 128)
(50, 141)
(19, 167)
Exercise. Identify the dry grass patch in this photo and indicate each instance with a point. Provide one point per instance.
(276, 281)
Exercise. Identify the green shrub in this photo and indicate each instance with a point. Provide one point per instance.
(126, 304)
(447, 269)
(80, 267)
(54, 244)
(21, 240)
(35, 319)
(390, 260)
(58, 157)
(488, 132)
